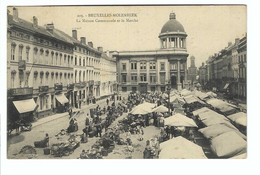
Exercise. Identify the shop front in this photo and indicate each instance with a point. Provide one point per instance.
(62, 103)
(20, 105)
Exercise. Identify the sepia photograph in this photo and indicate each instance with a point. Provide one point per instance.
(127, 82)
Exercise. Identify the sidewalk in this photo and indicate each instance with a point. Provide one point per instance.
(60, 115)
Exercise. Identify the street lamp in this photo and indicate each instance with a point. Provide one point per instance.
(168, 92)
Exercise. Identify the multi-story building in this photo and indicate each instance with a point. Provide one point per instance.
(108, 74)
(38, 68)
(86, 64)
(152, 70)
(227, 69)
(48, 70)
(242, 57)
(192, 70)
(203, 74)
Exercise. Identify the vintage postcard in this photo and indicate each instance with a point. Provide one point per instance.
(127, 82)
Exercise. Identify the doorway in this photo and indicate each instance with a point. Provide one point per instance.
(173, 81)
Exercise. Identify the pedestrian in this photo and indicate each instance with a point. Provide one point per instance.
(99, 129)
(107, 101)
(87, 122)
(47, 140)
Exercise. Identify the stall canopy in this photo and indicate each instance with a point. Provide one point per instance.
(239, 118)
(180, 148)
(179, 120)
(226, 86)
(160, 108)
(143, 108)
(228, 145)
(185, 92)
(211, 94)
(213, 131)
(24, 106)
(201, 95)
(61, 98)
(200, 111)
(210, 114)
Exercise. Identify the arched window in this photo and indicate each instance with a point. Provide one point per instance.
(13, 45)
(20, 56)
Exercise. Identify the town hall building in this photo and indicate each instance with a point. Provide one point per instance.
(155, 70)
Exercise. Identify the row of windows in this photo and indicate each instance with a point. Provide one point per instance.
(242, 58)
(85, 51)
(173, 42)
(143, 78)
(55, 57)
(153, 66)
(41, 41)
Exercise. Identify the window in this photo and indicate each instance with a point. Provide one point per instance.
(182, 66)
(124, 66)
(56, 58)
(27, 53)
(162, 78)
(80, 61)
(20, 52)
(164, 43)
(173, 42)
(124, 89)
(152, 78)
(60, 59)
(152, 65)
(245, 58)
(13, 51)
(174, 66)
(143, 65)
(133, 66)
(75, 60)
(134, 78)
(143, 78)
(162, 66)
(65, 59)
(84, 62)
(123, 78)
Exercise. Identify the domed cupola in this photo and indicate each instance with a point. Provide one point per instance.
(173, 34)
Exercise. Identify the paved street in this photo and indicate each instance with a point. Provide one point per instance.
(52, 127)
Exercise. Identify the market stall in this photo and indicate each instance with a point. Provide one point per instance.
(180, 148)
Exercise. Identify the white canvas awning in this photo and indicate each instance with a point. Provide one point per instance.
(24, 106)
(61, 98)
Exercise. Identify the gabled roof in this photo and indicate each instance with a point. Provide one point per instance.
(26, 25)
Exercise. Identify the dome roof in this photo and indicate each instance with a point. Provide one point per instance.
(172, 25)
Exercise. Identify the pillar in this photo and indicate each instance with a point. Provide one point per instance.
(179, 77)
(186, 85)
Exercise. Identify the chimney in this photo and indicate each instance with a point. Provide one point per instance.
(108, 54)
(35, 21)
(83, 40)
(229, 43)
(100, 49)
(50, 27)
(237, 41)
(172, 16)
(90, 44)
(15, 14)
(74, 34)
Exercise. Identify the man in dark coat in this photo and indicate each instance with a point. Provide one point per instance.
(107, 101)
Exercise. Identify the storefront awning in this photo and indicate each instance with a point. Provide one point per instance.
(61, 98)
(24, 106)
(226, 86)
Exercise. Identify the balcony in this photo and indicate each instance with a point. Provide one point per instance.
(70, 86)
(22, 65)
(97, 83)
(81, 84)
(91, 82)
(20, 91)
(43, 89)
(58, 87)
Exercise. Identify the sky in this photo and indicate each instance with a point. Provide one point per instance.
(209, 28)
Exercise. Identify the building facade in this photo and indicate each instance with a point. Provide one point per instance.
(226, 70)
(242, 61)
(203, 74)
(49, 71)
(192, 70)
(36, 65)
(153, 70)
